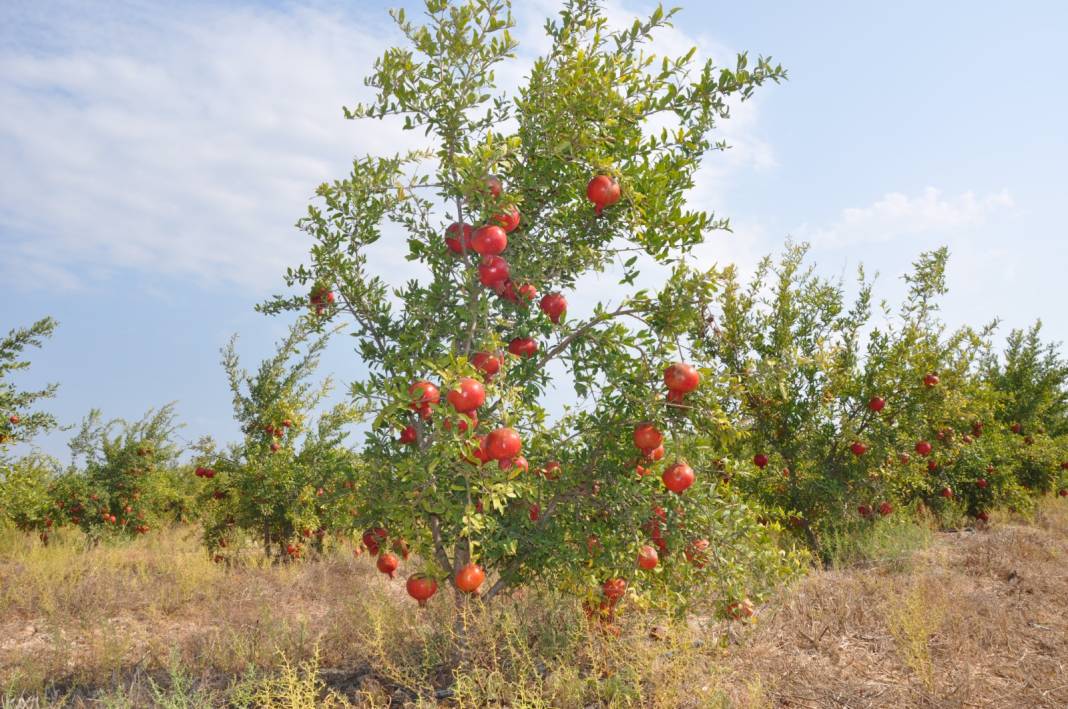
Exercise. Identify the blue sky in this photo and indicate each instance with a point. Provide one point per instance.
(156, 155)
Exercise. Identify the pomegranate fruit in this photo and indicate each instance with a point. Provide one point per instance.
(681, 377)
(468, 395)
(677, 477)
(492, 271)
(603, 191)
(647, 436)
(458, 237)
(486, 363)
(508, 220)
(614, 589)
(523, 347)
(387, 563)
(647, 557)
(554, 305)
(469, 578)
(503, 443)
(423, 394)
(421, 587)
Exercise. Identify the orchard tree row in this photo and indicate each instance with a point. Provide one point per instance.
(720, 430)
(717, 428)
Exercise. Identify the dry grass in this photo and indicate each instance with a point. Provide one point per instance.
(978, 618)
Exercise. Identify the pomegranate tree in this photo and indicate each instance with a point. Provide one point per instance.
(837, 402)
(289, 481)
(462, 457)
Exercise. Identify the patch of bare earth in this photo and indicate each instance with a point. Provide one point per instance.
(980, 619)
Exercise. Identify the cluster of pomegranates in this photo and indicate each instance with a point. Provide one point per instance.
(275, 432)
(321, 298)
(419, 586)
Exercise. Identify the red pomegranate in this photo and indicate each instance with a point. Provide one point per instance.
(421, 587)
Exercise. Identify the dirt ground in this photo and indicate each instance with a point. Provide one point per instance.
(979, 618)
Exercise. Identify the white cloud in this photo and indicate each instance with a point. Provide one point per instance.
(185, 140)
(187, 144)
(897, 216)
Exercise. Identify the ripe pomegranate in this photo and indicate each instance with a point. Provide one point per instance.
(387, 563)
(535, 512)
(509, 220)
(760, 460)
(982, 483)
(493, 185)
(876, 404)
(681, 377)
(523, 347)
(982, 517)
(14, 419)
(930, 380)
(479, 454)
(677, 477)
(527, 294)
(655, 454)
(923, 448)
(858, 448)
(697, 552)
(503, 443)
(489, 240)
(551, 470)
(905, 458)
(647, 437)
(468, 395)
(641, 470)
(374, 537)
(275, 447)
(885, 508)
(321, 296)
(1016, 428)
(408, 436)
(554, 305)
(603, 191)
(864, 511)
(423, 394)
(614, 589)
(946, 493)
(519, 462)
(293, 550)
(458, 237)
(932, 466)
(421, 587)
(469, 578)
(506, 291)
(486, 363)
(647, 558)
(492, 271)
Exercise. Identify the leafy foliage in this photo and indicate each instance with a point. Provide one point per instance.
(17, 421)
(598, 103)
(285, 482)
